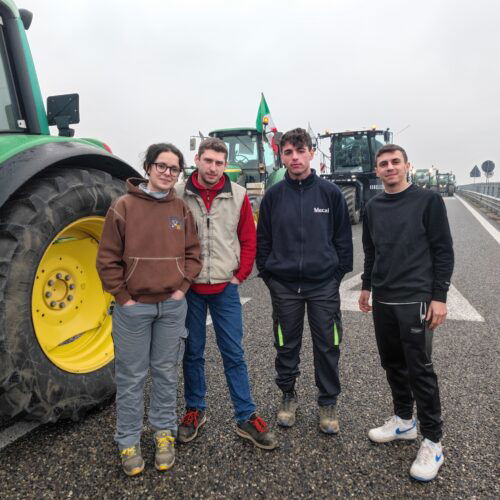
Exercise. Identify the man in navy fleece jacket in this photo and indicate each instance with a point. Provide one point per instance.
(304, 249)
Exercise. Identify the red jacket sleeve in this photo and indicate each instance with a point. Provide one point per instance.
(248, 240)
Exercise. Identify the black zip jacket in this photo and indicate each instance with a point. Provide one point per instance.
(304, 233)
(408, 247)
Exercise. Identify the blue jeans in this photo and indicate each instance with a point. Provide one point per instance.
(225, 309)
(147, 338)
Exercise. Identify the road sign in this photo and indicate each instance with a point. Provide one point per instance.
(475, 172)
(487, 166)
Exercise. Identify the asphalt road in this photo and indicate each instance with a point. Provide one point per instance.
(79, 460)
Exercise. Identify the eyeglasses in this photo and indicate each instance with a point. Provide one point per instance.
(161, 168)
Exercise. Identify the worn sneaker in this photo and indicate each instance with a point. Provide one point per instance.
(132, 461)
(394, 428)
(429, 460)
(257, 431)
(287, 409)
(190, 423)
(165, 450)
(328, 421)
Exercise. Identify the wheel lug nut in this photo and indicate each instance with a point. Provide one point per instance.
(50, 282)
(48, 294)
(53, 303)
(71, 287)
(59, 276)
(67, 277)
(62, 305)
(70, 298)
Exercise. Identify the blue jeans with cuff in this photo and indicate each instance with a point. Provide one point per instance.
(225, 309)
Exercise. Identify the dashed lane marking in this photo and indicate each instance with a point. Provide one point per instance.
(489, 227)
(16, 431)
(459, 308)
(243, 301)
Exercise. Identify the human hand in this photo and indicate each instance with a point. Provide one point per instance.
(178, 295)
(235, 281)
(436, 314)
(363, 301)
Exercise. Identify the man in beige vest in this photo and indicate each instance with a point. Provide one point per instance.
(226, 229)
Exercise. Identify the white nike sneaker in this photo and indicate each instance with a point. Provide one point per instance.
(394, 428)
(429, 460)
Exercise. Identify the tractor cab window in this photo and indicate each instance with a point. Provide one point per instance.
(9, 114)
(350, 153)
(242, 150)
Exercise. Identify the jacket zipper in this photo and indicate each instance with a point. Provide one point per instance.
(301, 236)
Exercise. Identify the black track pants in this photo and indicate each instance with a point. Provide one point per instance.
(405, 346)
(323, 313)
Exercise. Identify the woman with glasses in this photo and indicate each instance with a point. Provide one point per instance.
(149, 254)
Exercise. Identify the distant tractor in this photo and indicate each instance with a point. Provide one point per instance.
(252, 162)
(56, 349)
(425, 178)
(446, 183)
(352, 166)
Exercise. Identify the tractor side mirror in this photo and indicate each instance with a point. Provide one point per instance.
(192, 144)
(62, 110)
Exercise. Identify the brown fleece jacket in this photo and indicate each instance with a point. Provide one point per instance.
(149, 248)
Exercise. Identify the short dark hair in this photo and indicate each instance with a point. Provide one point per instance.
(214, 144)
(390, 148)
(155, 150)
(298, 137)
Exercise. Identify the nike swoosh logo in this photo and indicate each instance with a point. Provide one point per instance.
(398, 431)
(438, 457)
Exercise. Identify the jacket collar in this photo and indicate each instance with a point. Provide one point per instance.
(134, 189)
(304, 183)
(226, 190)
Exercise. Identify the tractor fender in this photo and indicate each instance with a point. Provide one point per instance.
(21, 167)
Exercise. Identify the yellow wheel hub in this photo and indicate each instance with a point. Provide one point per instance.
(69, 307)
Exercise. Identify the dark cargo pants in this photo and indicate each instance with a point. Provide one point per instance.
(405, 347)
(323, 313)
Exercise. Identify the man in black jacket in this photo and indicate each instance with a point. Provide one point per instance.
(408, 266)
(304, 249)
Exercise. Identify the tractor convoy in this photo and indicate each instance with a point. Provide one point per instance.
(56, 349)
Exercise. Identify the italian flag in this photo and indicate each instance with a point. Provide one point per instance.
(265, 123)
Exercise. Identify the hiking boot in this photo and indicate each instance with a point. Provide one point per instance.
(287, 409)
(328, 421)
(132, 461)
(165, 450)
(190, 423)
(429, 460)
(394, 428)
(257, 431)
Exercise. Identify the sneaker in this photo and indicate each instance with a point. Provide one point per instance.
(394, 428)
(190, 423)
(429, 460)
(165, 450)
(132, 461)
(287, 409)
(328, 421)
(256, 430)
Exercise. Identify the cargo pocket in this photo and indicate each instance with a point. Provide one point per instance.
(182, 345)
(423, 335)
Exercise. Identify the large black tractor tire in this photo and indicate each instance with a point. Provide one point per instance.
(30, 384)
(349, 193)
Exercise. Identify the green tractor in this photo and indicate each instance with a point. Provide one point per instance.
(56, 349)
(251, 160)
(425, 178)
(446, 183)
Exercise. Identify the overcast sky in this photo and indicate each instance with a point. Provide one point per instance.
(158, 70)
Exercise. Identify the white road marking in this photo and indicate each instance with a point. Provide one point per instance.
(16, 431)
(459, 308)
(243, 301)
(489, 227)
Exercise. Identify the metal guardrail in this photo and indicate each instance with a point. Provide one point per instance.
(489, 188)
(492, 203)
